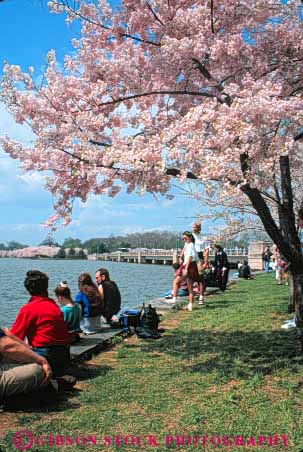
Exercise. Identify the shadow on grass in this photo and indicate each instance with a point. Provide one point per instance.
(48, 400)
(37, 403)
(210, 304)
(87, 371)
(233, 354)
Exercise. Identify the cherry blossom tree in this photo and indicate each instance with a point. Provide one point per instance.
(161, 89)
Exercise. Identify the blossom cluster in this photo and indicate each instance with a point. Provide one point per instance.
(158, 88)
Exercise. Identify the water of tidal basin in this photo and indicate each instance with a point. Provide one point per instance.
(137, 282)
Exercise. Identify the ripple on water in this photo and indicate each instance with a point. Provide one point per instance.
(137, 282)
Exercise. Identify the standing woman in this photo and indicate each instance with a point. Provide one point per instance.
(190, 268)
(202, 248)
(92, 304)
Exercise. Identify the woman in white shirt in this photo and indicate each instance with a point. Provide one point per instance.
(202, 248)
(190, 268)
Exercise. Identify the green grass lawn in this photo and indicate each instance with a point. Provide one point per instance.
(224, 370)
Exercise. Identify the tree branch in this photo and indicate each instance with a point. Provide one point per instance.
(154, 14)
(154, 93)
(287, 217)
(105, 27)
(212, 16)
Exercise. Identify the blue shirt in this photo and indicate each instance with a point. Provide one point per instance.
(83, 300)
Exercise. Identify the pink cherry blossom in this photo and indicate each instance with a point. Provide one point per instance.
(209, 91)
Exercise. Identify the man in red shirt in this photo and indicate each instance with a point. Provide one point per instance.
(42, 323)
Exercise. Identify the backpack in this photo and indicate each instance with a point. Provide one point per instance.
(149, 322)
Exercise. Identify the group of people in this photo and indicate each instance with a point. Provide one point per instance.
(194, 268)
(35, 351)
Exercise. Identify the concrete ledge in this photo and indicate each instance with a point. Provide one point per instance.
(93, 342)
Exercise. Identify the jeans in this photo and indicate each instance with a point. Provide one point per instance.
(58, 357)
(266, 266)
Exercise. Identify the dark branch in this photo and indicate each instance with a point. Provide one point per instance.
(154, 14)
(99, 143)
(299, 136)
(105, 27)
(154, 93)
(176, 172)
(212, 16)
(205, 72)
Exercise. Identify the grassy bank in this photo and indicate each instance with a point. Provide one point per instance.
(224, 370)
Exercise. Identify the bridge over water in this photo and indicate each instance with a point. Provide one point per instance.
(166, 257)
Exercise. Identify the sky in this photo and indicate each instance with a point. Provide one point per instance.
(28, 31)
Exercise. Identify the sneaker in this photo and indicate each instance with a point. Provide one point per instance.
(88, 332)
(168, 297)
(290, 321)
(66, 382)
(189, 307)
(288, 326)
(201, 299)
(172, 301)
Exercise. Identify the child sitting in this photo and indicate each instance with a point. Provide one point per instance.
(179, 284)
(71, 311)
(245, 271)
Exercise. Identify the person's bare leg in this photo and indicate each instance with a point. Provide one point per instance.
(191, 294)
(286, 278)
(176, 285)
(202, 291)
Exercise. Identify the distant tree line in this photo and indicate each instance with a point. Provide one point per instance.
(153, 239)
(12, 245)
(74, 247)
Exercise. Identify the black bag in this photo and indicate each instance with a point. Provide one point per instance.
(210, 280)
(149, 317)
(149, 323)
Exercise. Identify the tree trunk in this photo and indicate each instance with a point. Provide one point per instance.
(291, 299)
(296, 294)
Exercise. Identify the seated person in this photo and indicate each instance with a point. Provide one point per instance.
(71, 311)
(179, 284)
(109, 293)
(245, 271)
(21, 369)
(91, 303)
(42, 323)
(210, 275)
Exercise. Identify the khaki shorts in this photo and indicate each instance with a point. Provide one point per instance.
(19, 378)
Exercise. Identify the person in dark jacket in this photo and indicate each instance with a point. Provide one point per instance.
(109, 293)
(266, 256)
(221, 267)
